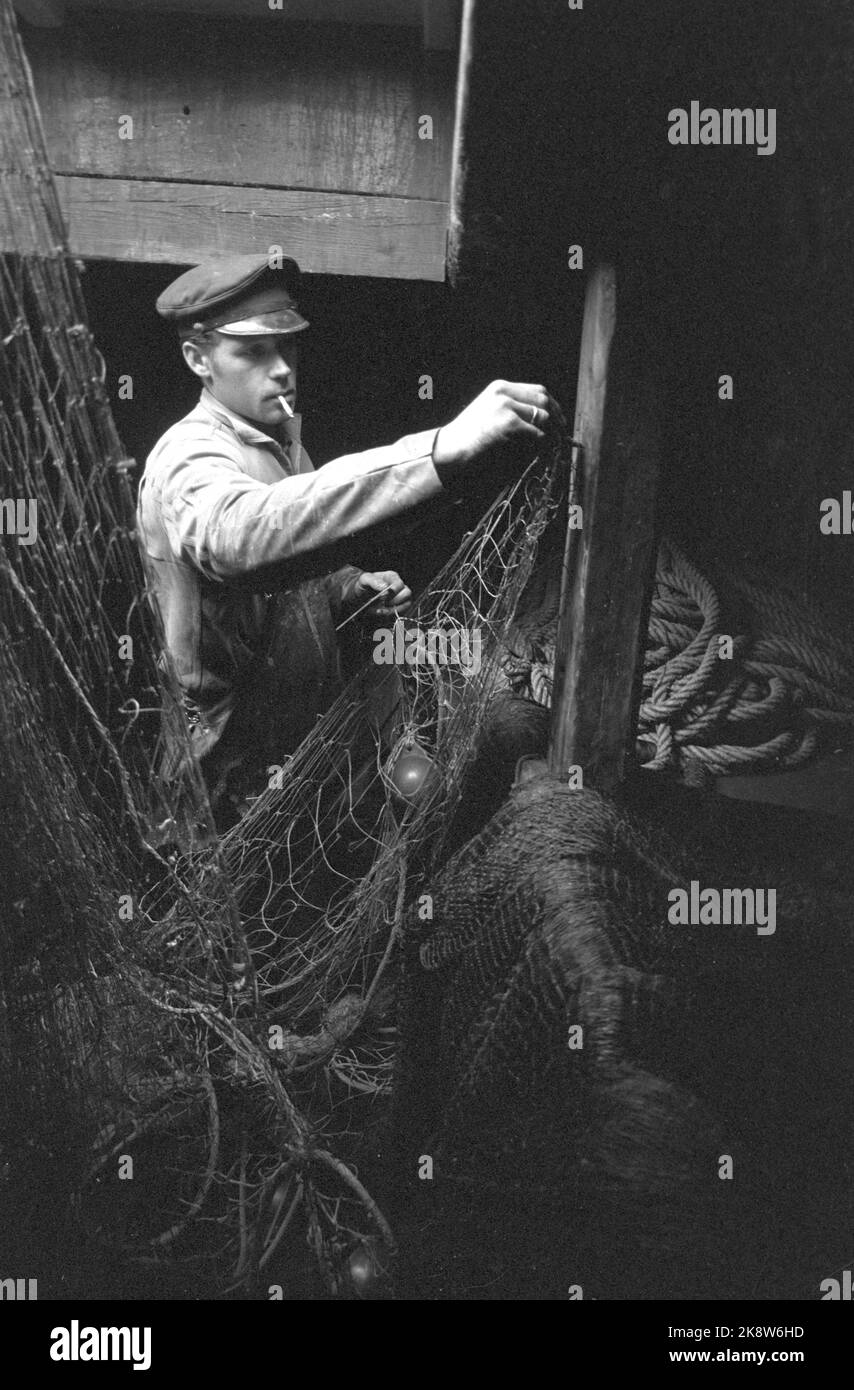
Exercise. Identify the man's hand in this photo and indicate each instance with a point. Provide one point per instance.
(505, 411)
(393, 597)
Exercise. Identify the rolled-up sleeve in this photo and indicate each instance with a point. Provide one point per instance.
(228, 524)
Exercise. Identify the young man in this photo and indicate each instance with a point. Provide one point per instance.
(236, 526)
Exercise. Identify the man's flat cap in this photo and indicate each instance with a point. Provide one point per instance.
(239, 295)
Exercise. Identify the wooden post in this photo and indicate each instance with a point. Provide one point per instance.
(460, 156)
(609, 562)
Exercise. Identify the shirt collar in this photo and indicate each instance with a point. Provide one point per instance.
(247, 433)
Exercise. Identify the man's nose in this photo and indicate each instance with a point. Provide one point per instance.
(283, 370)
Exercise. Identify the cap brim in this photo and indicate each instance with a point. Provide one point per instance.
(277, 321)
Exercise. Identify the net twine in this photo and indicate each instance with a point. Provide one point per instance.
(115, 1032)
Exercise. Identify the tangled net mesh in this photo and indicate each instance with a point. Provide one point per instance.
(321, 869)
(142, 989)
(225, 1016)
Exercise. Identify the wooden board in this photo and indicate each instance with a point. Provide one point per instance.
(328, 233)
(438, 20)
(385, 12)
(609, 564)
(245, 101)
(460, 154)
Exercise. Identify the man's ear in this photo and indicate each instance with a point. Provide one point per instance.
(196, 359)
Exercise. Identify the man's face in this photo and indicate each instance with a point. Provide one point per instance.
(247, 374)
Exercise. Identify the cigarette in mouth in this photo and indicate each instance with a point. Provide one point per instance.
(285, 407)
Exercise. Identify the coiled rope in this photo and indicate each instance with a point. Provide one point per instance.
(756, 681)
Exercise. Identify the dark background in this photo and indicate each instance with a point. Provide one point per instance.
(728, 262)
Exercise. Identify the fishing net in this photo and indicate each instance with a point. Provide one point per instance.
(84, 699)
(574, 1066)
(200, 1032)
(322, 866)
(201, 1020)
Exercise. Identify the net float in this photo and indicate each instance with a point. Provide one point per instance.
(414, 775)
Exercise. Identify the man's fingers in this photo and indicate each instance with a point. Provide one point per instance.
(527, 394)
(528, 420)
(531, 433)
(374, 583)
(387, 585)
(556, 409)
(504, 411)
(389, 581)
(397, 612)
(399, 600)
(525, 399)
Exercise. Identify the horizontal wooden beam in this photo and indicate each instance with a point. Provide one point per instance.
(392, 12)
(181, 223)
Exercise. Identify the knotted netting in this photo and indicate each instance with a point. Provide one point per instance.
(226, 1017)
(208, 1015)
(84, 700)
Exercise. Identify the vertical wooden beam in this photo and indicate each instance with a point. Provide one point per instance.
(459, 160)
(609, 563)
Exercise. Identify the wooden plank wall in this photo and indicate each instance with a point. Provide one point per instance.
(327, 233)
(248, 133)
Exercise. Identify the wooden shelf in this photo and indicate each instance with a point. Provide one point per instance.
(247, 133)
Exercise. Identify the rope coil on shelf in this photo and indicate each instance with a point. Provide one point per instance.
(753, 682)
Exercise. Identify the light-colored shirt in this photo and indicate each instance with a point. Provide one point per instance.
(225, 512)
